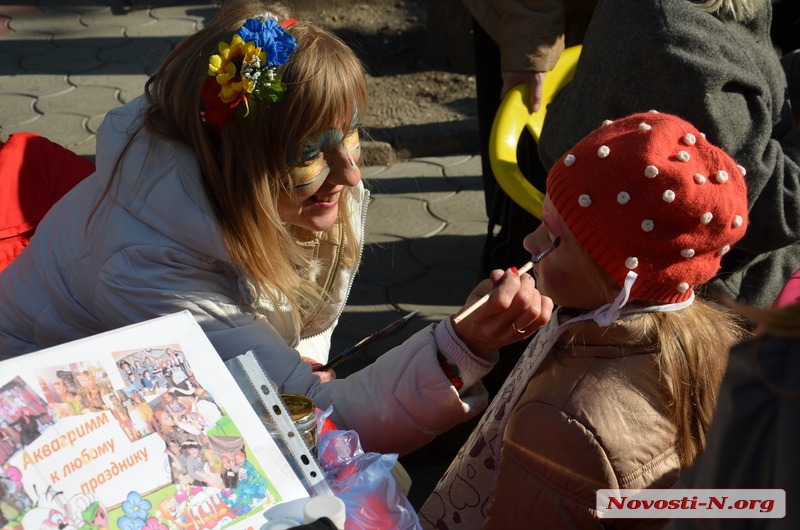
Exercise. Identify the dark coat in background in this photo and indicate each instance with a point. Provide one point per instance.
(753, 440)
(726, 79)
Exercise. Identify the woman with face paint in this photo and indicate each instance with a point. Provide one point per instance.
(231, 189)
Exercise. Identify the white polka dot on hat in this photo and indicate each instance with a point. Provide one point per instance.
(649, 193)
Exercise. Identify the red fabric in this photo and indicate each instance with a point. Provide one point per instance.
(450, 370)
(327, 425)
(34, 174)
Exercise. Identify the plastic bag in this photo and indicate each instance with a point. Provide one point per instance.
(363, 481)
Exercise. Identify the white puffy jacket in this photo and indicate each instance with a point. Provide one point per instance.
(152, 248)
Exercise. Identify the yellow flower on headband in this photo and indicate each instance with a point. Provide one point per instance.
(225, 65)
(244, 74)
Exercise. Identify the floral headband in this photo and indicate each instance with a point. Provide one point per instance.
(244, 72)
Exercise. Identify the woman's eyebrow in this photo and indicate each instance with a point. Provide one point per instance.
(331, 136)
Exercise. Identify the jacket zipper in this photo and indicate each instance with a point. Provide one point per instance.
(334, 276)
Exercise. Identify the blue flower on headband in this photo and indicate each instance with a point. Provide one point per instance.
(268, 35)
(244, 72)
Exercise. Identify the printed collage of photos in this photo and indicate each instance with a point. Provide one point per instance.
(212, 480)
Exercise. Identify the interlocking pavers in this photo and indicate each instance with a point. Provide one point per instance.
(460, 165)
(9, 61)
(17, 109)
(173, 27)
(128, 85)
(465, 205)
(142, 55)
(87, 101)
(390, 264)
(14, 52)
(51, 21)
(81, 6)
(170, 14)
(105, 16)
(409, 217)
(412, 178)
(68, 130)
(81, 57)
(453, 245)
(438, 294)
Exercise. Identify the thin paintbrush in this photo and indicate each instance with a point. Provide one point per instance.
(363, 343)
(522, 270)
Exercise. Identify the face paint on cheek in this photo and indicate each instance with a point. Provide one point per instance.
(560, 276)
(305, 173)
(304, 176)
(551, 280)
(314, 172)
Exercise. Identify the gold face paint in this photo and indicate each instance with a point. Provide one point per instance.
(353, 145)
(312, 171)
(315, 166)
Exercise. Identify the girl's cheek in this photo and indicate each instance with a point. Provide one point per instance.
(552, 279)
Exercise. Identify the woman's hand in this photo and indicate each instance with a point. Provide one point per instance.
(324, 376)
(514, 311)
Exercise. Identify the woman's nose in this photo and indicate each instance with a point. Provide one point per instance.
(344, 168)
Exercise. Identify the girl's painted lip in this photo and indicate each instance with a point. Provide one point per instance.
(541, 255)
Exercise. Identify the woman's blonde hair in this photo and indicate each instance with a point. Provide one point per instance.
(246, 163)
(734, 10)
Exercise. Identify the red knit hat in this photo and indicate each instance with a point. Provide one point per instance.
(649, 194)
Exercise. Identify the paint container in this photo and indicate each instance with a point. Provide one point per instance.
(279, 524)
(302, 411)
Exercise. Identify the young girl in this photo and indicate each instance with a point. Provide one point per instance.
(231, 190)
(618, 389)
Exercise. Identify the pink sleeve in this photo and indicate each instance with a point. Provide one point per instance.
(790, 293)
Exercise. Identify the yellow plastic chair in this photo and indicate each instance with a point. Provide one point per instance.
(511, 118)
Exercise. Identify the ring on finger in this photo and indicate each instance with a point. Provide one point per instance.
(522, 331)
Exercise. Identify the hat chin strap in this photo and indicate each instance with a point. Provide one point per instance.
(605, 315)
